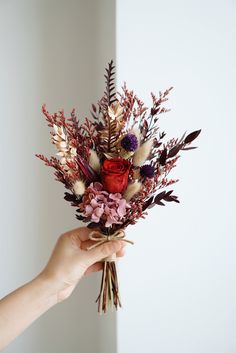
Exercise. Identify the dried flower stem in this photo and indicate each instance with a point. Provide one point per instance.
(109, 296)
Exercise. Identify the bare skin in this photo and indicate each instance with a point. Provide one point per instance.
(69, 262)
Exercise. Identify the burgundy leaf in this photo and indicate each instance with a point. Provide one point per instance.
(93, 225)
(174, 150)
(162, 135)
(175, 200)
(148, 203)
(159, 196)
(156, 143)
(94, 116)
(168, 193)
(94, 108)
(192, 136)
(152, 205)
(163, 157)
(79, 217)
(169, 198)
(160, 203)
(188, 148)
(70, 197)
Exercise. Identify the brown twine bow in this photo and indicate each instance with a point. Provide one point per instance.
(101, 238)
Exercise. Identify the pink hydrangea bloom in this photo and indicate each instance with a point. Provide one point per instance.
(98, 204)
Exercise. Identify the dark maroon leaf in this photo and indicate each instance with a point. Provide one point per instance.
(154, 111)
(175, 200)
(159, 196)
(166, 196)
(172, 198)
(156, 144)
(162, 135)
(152, 205)
(70, 197)
(192, 136)
(94, 108)
(94, 116)
(147, 203)
(86, 219)
(79, 217)
(92, 225)
(163, 157)
(188, 148)
(145, 124)
(99, 126)
(160, 203)
(168, 193)
(169, 198)
(173, 151)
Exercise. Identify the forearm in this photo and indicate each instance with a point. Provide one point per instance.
(21, 307)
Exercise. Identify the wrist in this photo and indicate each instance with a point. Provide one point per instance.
(48, 286)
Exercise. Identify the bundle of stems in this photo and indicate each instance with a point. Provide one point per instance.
(109, 296)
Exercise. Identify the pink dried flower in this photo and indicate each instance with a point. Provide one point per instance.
(99, 205)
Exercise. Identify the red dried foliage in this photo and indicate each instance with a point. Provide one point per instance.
(61, 175)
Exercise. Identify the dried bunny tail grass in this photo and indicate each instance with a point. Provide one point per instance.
(142, 153)
(94, 161)
(131, 190)
(79, 187)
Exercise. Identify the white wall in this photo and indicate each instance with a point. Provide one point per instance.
(178, 280)
(52, 52)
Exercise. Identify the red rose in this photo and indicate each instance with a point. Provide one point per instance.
(114, 174)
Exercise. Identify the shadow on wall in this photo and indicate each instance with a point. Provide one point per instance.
(78, 39)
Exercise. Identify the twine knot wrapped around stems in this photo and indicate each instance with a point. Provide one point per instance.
(101, 238)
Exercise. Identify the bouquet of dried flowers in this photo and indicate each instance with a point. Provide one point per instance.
(114, 167)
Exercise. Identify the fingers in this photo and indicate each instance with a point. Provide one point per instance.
(82, 233)
(87, 243)
(98, 266)
(121, 252)
(101, 251)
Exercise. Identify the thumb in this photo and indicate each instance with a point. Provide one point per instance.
(101, 251)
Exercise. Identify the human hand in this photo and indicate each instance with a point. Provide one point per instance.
(70, 260)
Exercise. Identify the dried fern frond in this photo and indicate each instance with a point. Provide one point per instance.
(109, 96)
(115, 111)
(110, 132)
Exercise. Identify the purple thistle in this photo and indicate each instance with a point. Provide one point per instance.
(129, 142)
(147, 171)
